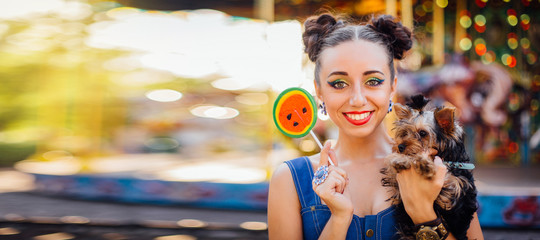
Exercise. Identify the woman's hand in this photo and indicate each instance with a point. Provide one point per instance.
(334, 191)
(419, 194)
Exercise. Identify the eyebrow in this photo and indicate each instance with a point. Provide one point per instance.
(345, 73)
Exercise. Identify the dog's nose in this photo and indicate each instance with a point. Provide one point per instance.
(401, 147)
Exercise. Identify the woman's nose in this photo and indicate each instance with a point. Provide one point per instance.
(358, 98)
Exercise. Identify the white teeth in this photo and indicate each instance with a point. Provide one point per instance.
(358, 116)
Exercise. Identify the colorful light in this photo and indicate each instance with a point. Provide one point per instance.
(428, 6)
(480, 20)
(480, 29)
(535, 104)
(419, 10)
(489, 57)
(525, 18)
(480, 49)
(465, 21)
(513, 147)
(479, 41)
(465, 44)
(512, 20)
(442, 3)
(532, 58)
(429, 26)
(480, 23)
(525, 21)
(512, 43)
(480, 3)
(504, 58)
(513, 103)
(511, 61)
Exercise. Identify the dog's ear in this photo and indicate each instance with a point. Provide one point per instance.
(445, 119)
(402, 112)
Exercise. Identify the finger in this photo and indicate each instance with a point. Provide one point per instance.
(341, 182)
(332, 156)
(339, 171)
(337, 183)
(441, 169)
(334, 183)
(439, 164)
(324, 154)
(433, 152)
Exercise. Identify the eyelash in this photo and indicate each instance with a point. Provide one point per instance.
(340, 84)
(377, 81)
(335, 83)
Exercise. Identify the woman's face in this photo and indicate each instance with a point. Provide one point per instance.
(355, 85)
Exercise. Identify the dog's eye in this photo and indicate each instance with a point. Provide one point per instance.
(422, 133)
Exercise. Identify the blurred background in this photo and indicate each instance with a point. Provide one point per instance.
(137, 119)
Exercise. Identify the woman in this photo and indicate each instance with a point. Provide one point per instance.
(355, 78)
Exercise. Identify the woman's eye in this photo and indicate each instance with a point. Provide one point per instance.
(338, 84)
(374, 82)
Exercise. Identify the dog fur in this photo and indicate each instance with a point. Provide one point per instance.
(419, 135)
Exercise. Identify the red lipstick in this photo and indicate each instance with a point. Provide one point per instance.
(358, 122)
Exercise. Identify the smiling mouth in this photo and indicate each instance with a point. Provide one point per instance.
(358, 118)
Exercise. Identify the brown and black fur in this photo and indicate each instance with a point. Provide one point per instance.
(419, 135)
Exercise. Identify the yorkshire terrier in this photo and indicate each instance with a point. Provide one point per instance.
(419, 135)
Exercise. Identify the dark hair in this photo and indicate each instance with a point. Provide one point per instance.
(325, 30)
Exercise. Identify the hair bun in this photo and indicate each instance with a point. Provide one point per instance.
(398, 37)
(316, 28)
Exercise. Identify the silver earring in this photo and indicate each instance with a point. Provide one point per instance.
(322, 107)
(390, 107)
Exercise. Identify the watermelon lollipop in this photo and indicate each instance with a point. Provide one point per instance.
(295, 114)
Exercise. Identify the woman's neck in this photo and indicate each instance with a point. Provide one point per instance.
(352, 150)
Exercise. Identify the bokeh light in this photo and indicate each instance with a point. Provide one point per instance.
(510, 61)
(480, 3)
(465, 44)
(164, 95)
(428, 6)
(512, 20)
(429, 26)
(512, 43)
(525, 21)
(525, 43)
(480, 23)
(465, 21)
(504, 58)
(480, 20)
(419, 10)
(532, 58)
(442, 3)
(535, 104)
(215, 112)
(513, 147)
(480, 49)
(479, 41)
(489, 57)
(525, 18)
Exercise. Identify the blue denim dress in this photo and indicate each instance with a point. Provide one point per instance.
(315, 215)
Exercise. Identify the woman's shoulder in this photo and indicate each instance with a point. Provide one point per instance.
(283, 171)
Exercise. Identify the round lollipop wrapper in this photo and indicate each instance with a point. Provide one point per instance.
(295, 112)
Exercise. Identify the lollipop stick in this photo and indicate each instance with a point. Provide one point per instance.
(320, 145)
(314, 137)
